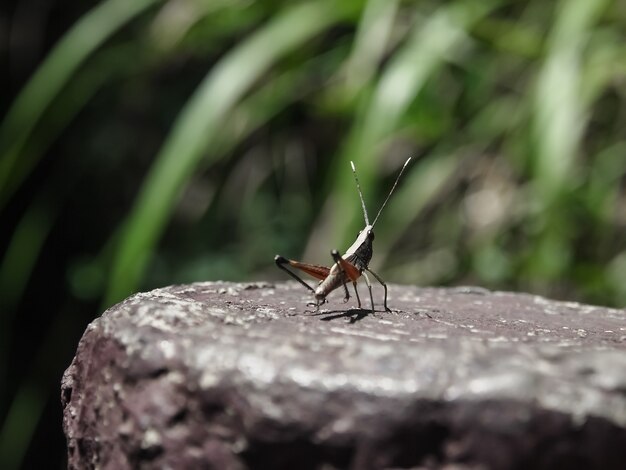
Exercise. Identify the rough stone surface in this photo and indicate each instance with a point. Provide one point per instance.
(236, 376)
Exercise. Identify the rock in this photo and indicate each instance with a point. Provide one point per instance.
(237, 376)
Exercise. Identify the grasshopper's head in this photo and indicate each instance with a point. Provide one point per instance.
(362, 246)
(367, 234)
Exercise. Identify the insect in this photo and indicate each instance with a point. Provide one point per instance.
(350, 266)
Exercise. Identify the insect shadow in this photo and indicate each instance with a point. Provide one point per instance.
(354, 314)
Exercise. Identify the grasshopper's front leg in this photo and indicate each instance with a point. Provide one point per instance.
(379, 279)
(351, 272)
(347, 296)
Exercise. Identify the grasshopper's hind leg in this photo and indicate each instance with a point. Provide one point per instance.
(281, 261)
(313, 270)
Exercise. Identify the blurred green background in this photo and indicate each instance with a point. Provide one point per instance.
(151, 142)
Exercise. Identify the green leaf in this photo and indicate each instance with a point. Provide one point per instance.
(559, 112)
(89, 33)
(199, 124)
(429, 45)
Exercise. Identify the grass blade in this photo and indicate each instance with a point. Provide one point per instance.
(55, 72)
(559, 111)
(198, 125)
(403, 78)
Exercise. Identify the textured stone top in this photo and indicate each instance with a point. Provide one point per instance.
(223, 375)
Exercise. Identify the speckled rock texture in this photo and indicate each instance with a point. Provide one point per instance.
(240, 376)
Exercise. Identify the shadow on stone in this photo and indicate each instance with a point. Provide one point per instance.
(354, 314)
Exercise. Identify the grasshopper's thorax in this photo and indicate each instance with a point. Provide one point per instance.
(360, 253)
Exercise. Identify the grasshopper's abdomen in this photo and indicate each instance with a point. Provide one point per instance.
(336, 278)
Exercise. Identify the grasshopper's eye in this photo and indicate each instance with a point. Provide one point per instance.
(370, 234)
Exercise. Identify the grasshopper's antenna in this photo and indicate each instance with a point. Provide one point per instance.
(391, 192)
(358, 187)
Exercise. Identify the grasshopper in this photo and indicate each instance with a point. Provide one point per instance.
(349, 267)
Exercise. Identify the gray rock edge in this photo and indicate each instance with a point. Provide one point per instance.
(464, 354)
